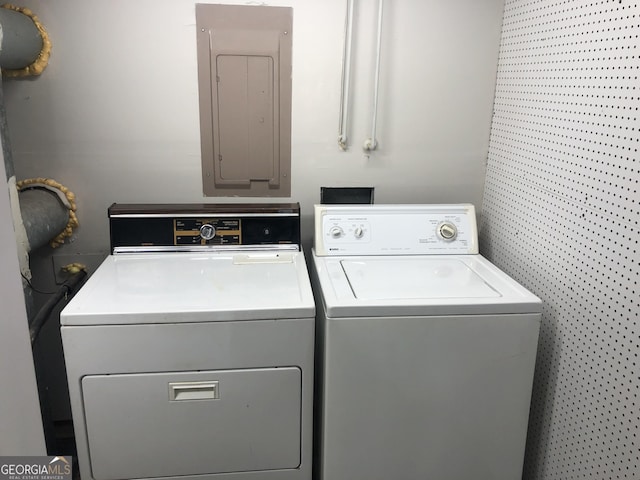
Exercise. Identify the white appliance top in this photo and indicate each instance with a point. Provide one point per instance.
(377, 286)
(409, 260)
(193, 287)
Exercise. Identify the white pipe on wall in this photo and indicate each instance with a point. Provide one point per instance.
(346, 77)
(371, 142)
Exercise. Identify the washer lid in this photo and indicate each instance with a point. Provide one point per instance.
(414, 278)
(192, 287)
(419, 285)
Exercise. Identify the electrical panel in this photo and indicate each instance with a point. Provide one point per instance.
(244, 77)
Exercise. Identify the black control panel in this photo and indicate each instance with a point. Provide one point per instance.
(191, 226)
(207, 231)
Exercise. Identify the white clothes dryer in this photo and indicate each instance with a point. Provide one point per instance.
(189, 351)
(425, 351)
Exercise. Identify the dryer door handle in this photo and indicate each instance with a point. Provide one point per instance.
(186, 391)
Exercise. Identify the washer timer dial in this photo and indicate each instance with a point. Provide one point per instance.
(447, 231)
(336, 232)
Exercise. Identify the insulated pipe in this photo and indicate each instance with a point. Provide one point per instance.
(43, 214)
(24, 50)
(21, 40)
(18, 227)
(4, 136)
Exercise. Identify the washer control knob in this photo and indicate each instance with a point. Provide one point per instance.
(447, 231)
(358, 232)
(207, 231)
(336, 232)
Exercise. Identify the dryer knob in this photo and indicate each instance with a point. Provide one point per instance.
(207, 231)
(447, 231)
(358, 232)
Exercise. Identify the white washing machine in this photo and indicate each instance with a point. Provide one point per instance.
(425, 350)
(189, 352)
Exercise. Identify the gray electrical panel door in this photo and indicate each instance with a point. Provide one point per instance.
(246, 120)
(188, 423)
(244, 78)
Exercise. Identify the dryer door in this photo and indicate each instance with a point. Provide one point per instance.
(189, 423)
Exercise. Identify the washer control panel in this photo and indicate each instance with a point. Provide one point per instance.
(395, 229)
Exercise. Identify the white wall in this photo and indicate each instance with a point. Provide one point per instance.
(115, 115)
(20, 421)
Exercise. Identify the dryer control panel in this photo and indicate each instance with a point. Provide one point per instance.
(193, 227)
(395, 230)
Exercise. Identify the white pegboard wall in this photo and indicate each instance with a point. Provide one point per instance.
(560, 214)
